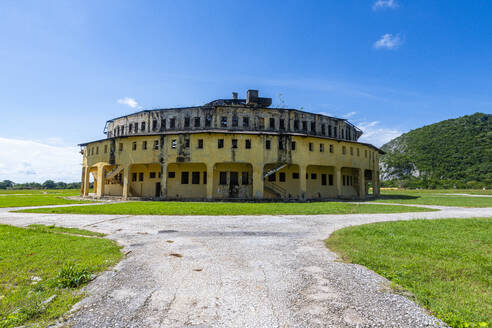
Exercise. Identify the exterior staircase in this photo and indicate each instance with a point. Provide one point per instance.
(114, 172)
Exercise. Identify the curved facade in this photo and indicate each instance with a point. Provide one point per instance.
(230, 149)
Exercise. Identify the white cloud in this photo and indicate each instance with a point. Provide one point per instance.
(349, 115)
(376, 134)
(381, 4)
(388, 41)
(128, 101)
(29, 160)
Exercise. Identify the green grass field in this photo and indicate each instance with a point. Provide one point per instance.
(36, 264)
(446, 264)
(436, 197)
(20, 198)
(217, 208)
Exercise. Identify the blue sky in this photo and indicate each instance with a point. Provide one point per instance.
(387, 65)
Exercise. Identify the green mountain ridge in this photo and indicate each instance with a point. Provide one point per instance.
(451, 153)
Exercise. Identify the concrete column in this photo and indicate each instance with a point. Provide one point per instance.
(163, 180)
(210, 181)
(338, 181)
(100, 181)
(258, 182)
(126, 181)
(362, 184)
(375, 183)
(86, 182)
(82, 182)
(302, 182)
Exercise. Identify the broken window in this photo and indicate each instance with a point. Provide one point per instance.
(141, 176)
(142, 126)
(335, 132)
(323, 179)
(195, 177)
(267, 144)
(187, 122)
(304, 125)
(245, 178)
(197, 121)
(187, 143)
(246, 122)
(154, 125)
(144, 145)
(234, 179)
(134, 145)
(261, 122)
(135, 125)
(281, 177)
(220, 143)
(208, 120)
(235, 121)
(130, 128)
(234, 143)
(331, 148)
(323, 129)
(172, 123)
(248, 144)
(163, 124)
(272, 177)
(223, 178)
(282, 124)
(152, 175)
(156, 144)
(223, 122)
(313, 176)
(329, 130)
(200, 143)
(295, 175)
(293, 145)
(272, 123)
(184, 177)
(173, 144)
(171, 175)
(313, 127)
(310, 146)
(134, 177)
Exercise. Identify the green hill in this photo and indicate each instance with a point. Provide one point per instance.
(451, 153)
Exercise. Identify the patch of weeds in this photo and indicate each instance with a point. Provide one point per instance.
(71, 276)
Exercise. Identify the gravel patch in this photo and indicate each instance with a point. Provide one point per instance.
(237, 271)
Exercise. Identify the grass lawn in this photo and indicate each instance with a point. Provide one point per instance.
(218, 208)
(446, 264)
(18, 199)
(435, 197)
(64, 192)
(36, 264)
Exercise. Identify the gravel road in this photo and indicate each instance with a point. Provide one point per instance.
(237, 271)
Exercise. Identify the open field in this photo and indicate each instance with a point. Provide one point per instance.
(445, 264)
(219, 208)
(37, 265)
(436, 197)
(20, 198)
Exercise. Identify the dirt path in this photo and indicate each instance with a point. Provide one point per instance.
(239, 271)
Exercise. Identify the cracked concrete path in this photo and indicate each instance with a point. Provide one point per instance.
(237, 271)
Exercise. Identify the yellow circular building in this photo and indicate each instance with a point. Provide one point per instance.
(230, 149)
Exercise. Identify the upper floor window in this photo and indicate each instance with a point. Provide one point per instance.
(331, 148)
(208, 120)
(142, 126)
(154, 125)
(261, 122)
(248, 144)
(304, 125)
(197, 121)
(134, 145)
(293, 145)
(173, 144)
(163, 124)
(267, 144)
(223, 122)
(282, 124)
(296, 125)
(144, 145)
(105, 149)
(280, 144)
(272, 123)
(187, 143)
(313, 127)
(329, 130)
(135, 125)
(130, 128)
(220, 143)
(156, 144)
(310, 146)
(351, 151)
(321, 148)
(234, 143)
(187, 122)
(323, 129)
(121, 147)
(172, 123)
(335, 132)
(200, 143)
(246, 122)
(235, 121)
(344, 150)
